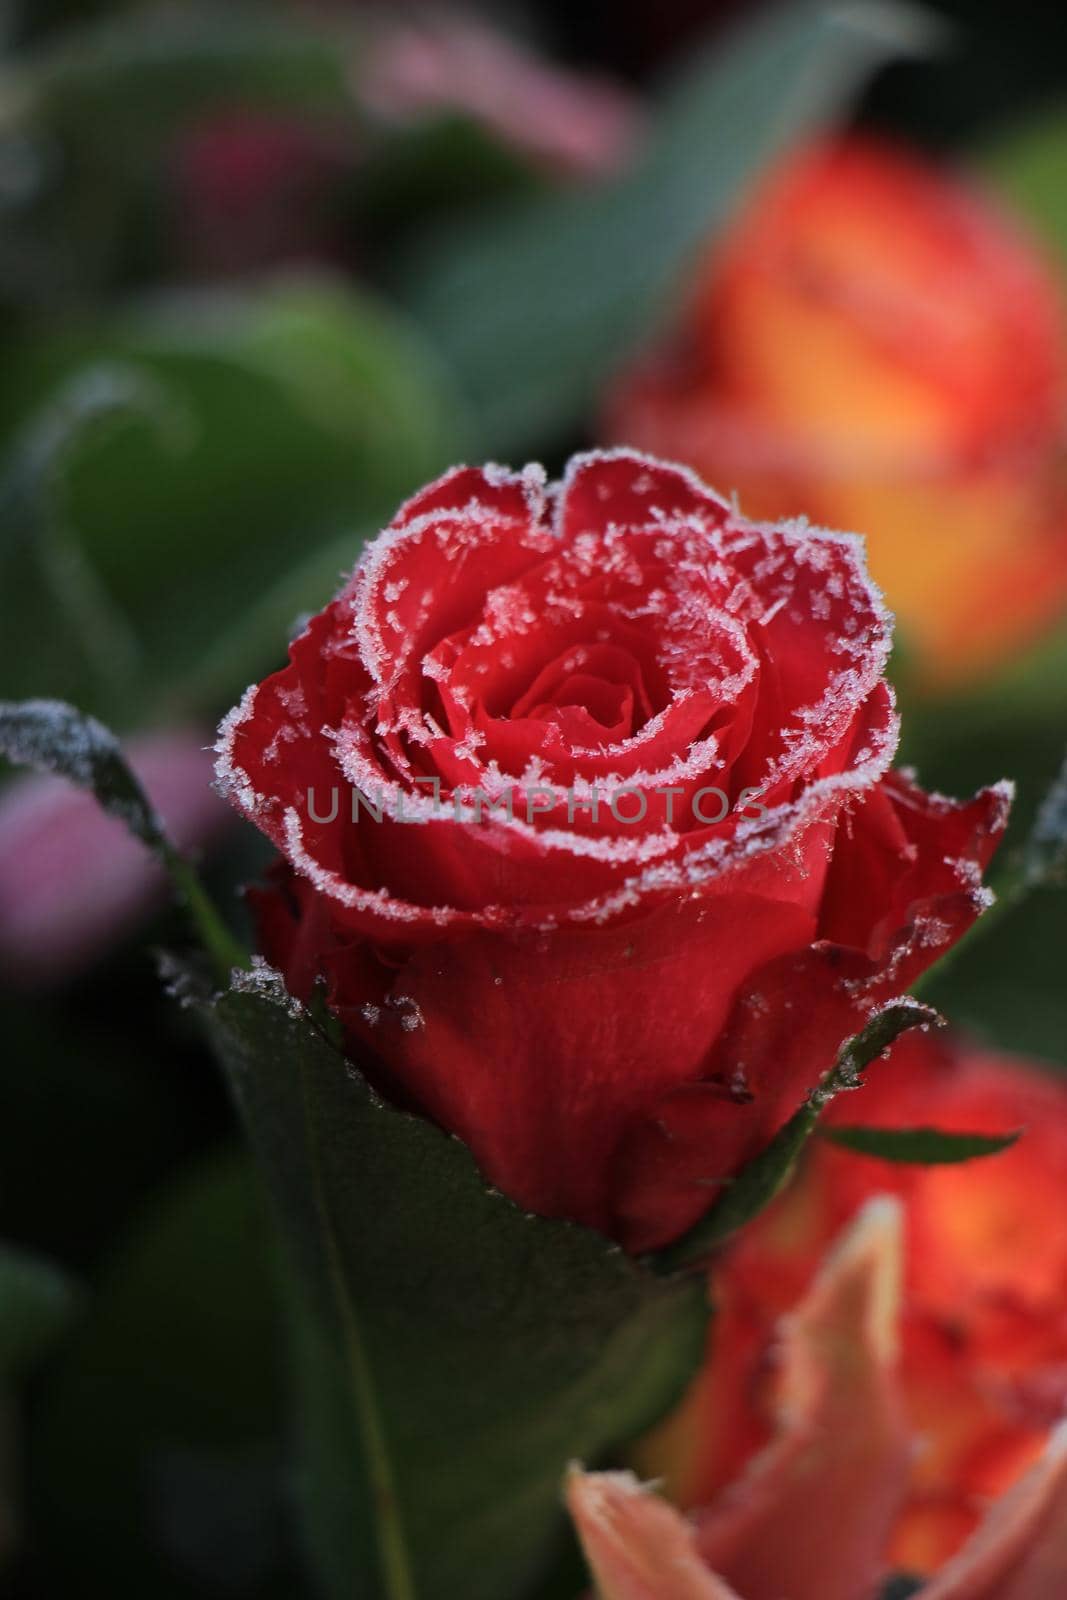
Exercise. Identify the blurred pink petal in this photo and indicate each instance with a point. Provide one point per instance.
(576, 124)
(1020, 1551)
(72, 880)
(816, 1507)
(256, 188)
(638, 1547)
(810, 1518)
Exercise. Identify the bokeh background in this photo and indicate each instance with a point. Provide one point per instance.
(264, 270)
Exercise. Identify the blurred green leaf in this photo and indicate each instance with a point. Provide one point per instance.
(536, 307)
(53, 591)
(1027, 164)
(456, 1353)
(924, 1147)
(36, 1303)
(757, 1184)
(124, 76)
(85, 117)
(93, 117)
(1007, 986)
(258, 432)
(40, 554)
(157, 1451)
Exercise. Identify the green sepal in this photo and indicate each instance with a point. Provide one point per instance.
(921, 1147)
(762, 1179)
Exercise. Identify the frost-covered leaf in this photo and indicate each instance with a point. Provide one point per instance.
(759, 1182)
(926, 1147)
(455, 1353)
(51, 736)
(535, 308)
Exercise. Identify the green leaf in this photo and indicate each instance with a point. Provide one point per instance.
(40, 551)
(1027, 164)
(37, 1301)
(51, 736)
(200, 448)
(536, 307)
(146, 73)
(54, 592)
(924, 1147)
(456, 1354)
(765, 1177)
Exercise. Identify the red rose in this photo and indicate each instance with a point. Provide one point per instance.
(709, 877)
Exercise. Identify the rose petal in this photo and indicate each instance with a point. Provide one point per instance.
(538, 1049)
(811, 1515)
(637, 1546)
(1020, 1551)
(914, 859)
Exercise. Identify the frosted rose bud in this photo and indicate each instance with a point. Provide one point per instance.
(649, 747)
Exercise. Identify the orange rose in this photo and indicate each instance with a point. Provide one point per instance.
(810, 1517)
(983, 1362)
(877, 347)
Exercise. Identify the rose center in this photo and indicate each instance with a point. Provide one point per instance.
(594, 693)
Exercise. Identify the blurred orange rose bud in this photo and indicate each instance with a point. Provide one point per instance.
(876, 346)
(982, 1371)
